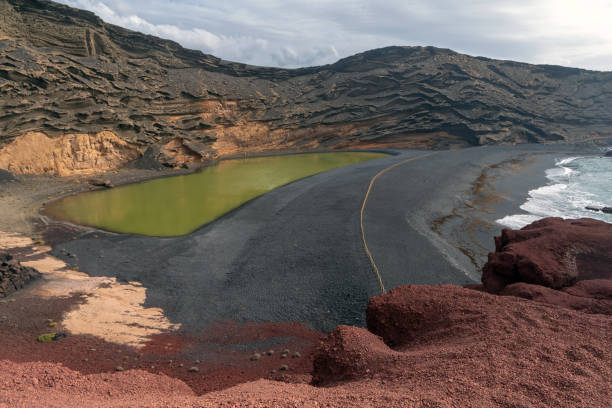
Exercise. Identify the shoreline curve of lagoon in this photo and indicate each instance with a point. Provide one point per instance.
(179, 205)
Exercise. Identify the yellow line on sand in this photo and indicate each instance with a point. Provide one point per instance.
(365, 200)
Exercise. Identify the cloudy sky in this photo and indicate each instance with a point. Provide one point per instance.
(292, 33)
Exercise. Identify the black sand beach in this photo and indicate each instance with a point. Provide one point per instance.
(295, 254)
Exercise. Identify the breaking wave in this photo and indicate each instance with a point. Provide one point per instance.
(574, 184)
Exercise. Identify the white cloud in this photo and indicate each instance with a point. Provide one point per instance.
(299, 32)
(242, 48)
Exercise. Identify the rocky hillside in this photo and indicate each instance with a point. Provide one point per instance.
(67, 75)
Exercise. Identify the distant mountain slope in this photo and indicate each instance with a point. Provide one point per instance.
(64, 71)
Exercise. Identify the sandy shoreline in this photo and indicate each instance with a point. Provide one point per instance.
(499, 190)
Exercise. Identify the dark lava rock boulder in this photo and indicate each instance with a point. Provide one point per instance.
(608, 153)
(13, 275)
(551, 252)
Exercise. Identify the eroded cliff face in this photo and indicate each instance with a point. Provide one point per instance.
(65, 71)
(70, 154)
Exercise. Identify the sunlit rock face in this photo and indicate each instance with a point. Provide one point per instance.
(64, 71)
(36, 153)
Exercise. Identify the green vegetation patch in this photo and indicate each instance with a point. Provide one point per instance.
(46, 338)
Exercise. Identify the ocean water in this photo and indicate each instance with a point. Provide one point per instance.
(574, 183)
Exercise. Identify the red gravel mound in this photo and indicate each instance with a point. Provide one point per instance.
(461, 347)
(52, 385)
(351, 353)
(563, 262)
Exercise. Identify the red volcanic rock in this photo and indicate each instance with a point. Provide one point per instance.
(561, 262)
(552, 252)
(414, 314)
(474, 286)
(593, 288)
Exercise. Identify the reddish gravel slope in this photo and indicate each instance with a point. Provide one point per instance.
(450, 346)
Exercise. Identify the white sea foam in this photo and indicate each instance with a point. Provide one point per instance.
(574, 184)
(517, 221)
(565, 161)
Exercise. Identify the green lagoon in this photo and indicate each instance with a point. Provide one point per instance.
(174, 206)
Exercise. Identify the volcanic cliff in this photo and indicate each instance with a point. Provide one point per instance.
(73, 83)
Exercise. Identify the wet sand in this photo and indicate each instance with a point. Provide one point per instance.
(499, 190)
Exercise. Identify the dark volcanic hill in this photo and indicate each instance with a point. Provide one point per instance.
(116, 94)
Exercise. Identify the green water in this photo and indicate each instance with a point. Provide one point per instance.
(178, 205)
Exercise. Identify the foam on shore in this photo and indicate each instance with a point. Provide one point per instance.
(575, 183)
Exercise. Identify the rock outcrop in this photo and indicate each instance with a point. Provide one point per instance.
(101, 183)
(64, 71)
(551, 252)
(562, 262)
(69, 154)
(13, 275)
